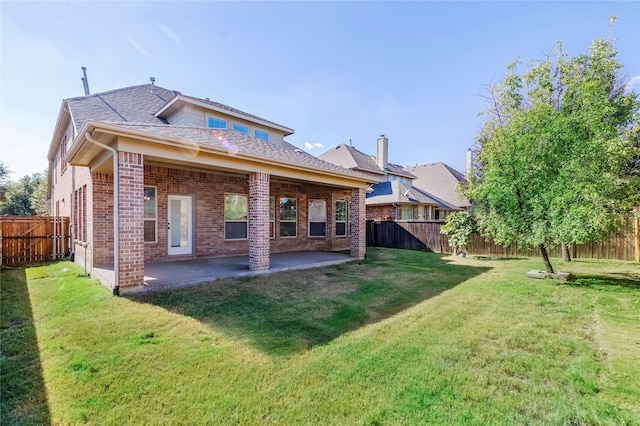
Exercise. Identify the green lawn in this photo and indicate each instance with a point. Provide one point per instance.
(404, 337)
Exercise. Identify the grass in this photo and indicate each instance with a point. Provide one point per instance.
(401, 338)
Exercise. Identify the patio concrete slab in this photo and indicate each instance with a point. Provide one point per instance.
(171, 275)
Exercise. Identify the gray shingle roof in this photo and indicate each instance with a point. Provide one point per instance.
(349, 157)
(441, 181)
(129, 104)
(398, 192)
(236, 143)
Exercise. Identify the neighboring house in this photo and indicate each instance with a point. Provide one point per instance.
(441, 182)
(151, 175)
(392, 194)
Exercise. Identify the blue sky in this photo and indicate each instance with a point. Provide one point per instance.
(333, 71)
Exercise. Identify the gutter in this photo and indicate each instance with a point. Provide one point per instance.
(116, 212)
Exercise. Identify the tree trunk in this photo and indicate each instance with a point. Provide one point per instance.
(545, 258)
(566, 255)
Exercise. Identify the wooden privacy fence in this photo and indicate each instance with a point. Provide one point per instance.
(32, 239)
(427, 236)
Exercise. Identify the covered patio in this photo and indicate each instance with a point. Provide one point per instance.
(172, 275)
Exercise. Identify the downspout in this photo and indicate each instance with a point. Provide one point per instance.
(394, 205)
(116, 212)
(72, 202)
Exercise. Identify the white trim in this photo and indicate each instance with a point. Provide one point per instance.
(188, 247)
(144, 219)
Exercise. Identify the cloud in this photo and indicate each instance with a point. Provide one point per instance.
(137, 46)
(634, 84)
(169, 32)
(310, 145)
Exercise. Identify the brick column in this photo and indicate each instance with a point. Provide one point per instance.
(357, 223)
(259, 245)
(131, 219)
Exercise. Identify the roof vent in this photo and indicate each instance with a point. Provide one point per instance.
(85, 81)
(153, 84)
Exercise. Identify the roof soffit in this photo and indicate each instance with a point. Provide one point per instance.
(83, 152)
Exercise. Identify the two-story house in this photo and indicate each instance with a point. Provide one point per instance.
(152, 175)
(441, 182)
(392, 194)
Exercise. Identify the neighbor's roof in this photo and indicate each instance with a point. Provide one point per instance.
(441, 181)
(401, 193)
(349, 157)
(234, 143)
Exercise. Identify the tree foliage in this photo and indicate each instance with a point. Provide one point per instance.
(26, 197)
(557, 158)
(458, 227)
(4, 180)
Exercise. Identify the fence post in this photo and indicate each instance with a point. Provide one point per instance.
(637, 236)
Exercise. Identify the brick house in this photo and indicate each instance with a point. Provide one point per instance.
(392, 194)
(441, 182)
(151, 175)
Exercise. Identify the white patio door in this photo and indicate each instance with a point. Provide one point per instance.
(180, 224)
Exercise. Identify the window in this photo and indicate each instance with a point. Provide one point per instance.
(406, 213)
(261, 134)
(63, 152)
(341, 218)
(236, 209)
(422, 212)
(317, 218)
(240, 128)
(288, 217)
(150, 214)
(217, 123)
(272, 217)
(80, 219)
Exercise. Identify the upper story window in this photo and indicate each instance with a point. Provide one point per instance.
(63, 152)
(261, 134)
(241, 128)
(217, 123)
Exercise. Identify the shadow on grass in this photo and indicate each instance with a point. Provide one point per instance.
(290, 312)
(23, 397)
(604, 282)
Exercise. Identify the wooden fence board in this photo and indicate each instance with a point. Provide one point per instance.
(426, 236)
(32, 239)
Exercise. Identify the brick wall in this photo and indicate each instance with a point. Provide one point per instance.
(357, 223)
(259, 249)
(208, 191)
(101, 221)
(130, 224)
(386, 212)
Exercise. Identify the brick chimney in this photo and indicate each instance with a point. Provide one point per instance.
(383, 152)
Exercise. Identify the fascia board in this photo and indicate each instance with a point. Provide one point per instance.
(54, 145)
(129, 140)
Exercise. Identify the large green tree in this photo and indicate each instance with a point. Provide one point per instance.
(26, 196)
(4, 180)
(557, 158)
